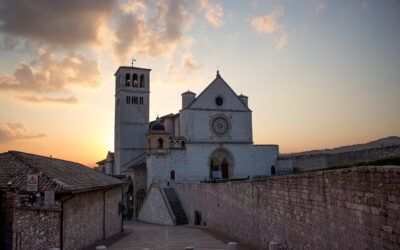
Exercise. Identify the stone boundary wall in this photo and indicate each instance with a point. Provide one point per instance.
(354, 208)
(84, 214)
(313, 161)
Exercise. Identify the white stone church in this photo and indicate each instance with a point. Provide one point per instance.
(209, 138)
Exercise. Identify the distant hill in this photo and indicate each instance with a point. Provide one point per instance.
(388, 141)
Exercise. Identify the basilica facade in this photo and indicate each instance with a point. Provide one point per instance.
(209, 138)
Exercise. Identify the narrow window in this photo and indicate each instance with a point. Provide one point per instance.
(135, 80)
(142, 81)
(141, 100)
(172, 175)
(127, 80)
(273, 171)
(127, 99)
(135, 100)
(183, 145)
(160, 143)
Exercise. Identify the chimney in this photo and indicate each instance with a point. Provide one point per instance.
(187, 98)
(244, 99)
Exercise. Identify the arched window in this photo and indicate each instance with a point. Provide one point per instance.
(160, 143)
(171, 144)
(273, 171)
(172, 175)
(127, 80)
(142, 81)
(135, 80)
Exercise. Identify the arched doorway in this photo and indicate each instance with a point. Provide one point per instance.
(130, 200)
(172, 175)
(221, 164)
(273, 170)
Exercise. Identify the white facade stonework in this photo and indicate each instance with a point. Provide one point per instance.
(210, 138)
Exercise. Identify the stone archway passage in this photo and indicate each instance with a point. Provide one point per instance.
(221, 164)
(130, 202)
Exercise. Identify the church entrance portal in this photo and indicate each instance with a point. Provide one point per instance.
(221, 164)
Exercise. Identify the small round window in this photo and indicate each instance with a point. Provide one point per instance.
(219, 101)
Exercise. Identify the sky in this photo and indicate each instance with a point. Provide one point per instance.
(318, 73)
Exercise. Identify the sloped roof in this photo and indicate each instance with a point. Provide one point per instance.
(139, 160)
(215, 81)
(54, 174)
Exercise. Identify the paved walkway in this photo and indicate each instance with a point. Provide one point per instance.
(144, 236)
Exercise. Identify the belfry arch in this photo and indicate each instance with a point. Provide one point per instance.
(221, 164)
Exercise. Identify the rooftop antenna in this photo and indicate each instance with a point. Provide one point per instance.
(133, 60)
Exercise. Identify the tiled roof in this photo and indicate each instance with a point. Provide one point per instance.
(101, 162)
(54, 174)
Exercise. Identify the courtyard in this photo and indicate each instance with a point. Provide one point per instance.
(144, 236)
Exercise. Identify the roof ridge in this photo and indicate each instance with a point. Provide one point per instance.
(52, 158)
(229, 87)
(18, 155)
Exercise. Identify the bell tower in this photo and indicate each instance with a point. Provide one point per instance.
(132, 101)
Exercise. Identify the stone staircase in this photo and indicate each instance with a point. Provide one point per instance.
(175, 206)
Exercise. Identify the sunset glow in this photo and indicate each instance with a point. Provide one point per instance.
(318, 74)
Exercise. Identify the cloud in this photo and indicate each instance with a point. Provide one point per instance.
(364, 4)
(171, 68)
(319, 7)
(189, 63)
(46, 74)
(16, 131)
(9, 43)
(268, 23)
(65, 24)
(212, 12)
(156, 35)
(282, 41)
(46, 99)
(214, 15)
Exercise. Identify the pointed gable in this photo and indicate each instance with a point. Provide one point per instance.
(218, 89)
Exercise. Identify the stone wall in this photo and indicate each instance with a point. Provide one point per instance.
(313, 161)
(36, 229)
(113, 222)
(354, 208)
(84, 215)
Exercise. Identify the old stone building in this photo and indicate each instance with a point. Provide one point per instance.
(107, 165)
(210, 138)
(72, 206)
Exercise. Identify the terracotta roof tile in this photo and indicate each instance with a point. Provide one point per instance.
(54, 174)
